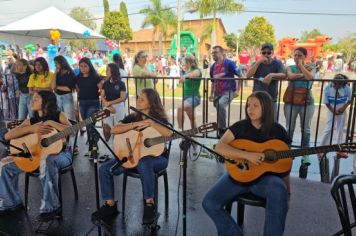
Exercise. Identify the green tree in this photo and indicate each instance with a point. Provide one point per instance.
(106, 7)
(309, 35)
(257, 32)
(83, 16)
(213, 7)
(116, 27)
(347, 46)
(161, 18)
(231, 40)
(123, 9)
(331, 47)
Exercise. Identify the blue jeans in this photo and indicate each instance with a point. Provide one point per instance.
(88, 108)
(66, 104)
(24, 106)
(270, 187)
(49, 175)
(291, 114)
(146, 168)
(194, 101)
(220, 103)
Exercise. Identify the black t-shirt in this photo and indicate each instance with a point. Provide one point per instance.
(54, 117)
(113, 89)
(262, 71)
(22, 81)
(88, 87)
(245, 130)
(67, 79)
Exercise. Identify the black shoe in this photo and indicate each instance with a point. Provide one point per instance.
(104, 212)
(303, 171)
(11, 210)
(149, 213)
(47, 216)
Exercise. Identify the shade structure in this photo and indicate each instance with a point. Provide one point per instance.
(40, 23)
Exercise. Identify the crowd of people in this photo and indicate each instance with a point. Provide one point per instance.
(47, 100)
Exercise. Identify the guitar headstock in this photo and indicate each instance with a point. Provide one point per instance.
(208, 127)
(100, 115)
(14, 124)
(347, 147)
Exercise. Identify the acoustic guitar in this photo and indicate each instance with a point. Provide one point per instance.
(41, 146)
(278, 158)
(148, 142)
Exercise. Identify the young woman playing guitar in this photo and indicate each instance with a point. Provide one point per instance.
(259, 126)
(149, 103)
(46, 118)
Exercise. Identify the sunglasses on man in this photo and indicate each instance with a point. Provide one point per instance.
(266, 53)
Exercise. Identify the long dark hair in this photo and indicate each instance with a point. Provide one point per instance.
(49, 104)
(118, 60)
(44, 64)
(92, 71)
(156, 107)
(27, 64)
(115, 72)
(62, 61)
(267, 118)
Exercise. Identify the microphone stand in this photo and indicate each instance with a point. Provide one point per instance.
(184, 146)
(23, 152)
(95, 136)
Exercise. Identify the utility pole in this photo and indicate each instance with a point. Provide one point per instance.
(179, 9)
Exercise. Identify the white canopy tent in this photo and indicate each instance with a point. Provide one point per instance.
(40, 23)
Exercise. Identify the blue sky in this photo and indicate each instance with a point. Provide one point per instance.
(285, 24)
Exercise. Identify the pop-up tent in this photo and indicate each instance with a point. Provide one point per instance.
(40, 23)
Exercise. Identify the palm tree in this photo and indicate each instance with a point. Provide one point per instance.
(213, 7)
(161, 18)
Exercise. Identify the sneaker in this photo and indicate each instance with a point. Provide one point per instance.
(104, 212)
(103, 158)
(303, 171)
(107, 132)
(149, 213)
(47, 216)
(11, 210)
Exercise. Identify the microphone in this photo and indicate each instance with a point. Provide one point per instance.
(118, 164)
(21, 154)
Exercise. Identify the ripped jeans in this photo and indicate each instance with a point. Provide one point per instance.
(49, 174)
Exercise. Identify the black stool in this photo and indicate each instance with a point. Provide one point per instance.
(338, 193)
(242, 200)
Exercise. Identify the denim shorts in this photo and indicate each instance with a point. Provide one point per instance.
(194, 101)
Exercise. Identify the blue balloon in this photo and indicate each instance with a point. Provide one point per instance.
(86, 34)
(115, 51)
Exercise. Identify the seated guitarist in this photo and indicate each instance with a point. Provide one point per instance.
(259, 126)
(46, 118)
(149, 103)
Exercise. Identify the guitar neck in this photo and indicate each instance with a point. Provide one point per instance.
(69, 131)
(306, 151)
(162, 139)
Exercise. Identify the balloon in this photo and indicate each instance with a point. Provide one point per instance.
(52, 51)
(55, 36)
(86, 34)
(30, 47)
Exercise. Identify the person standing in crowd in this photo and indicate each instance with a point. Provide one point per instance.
(119, 62)
(174, 71)
(299, 76)
(206, 64)
(267, 71)
(149, 103)
(244, 59)
(128, 63)
(191, 95)
(223, 91)
(140, 69)
(113, 95)
(63, 85)
(46, 117)
(88, 84)
(337, 97)
(259, 126)
(41, 79)
(22, 71)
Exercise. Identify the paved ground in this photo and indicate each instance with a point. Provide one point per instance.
(312, 210)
